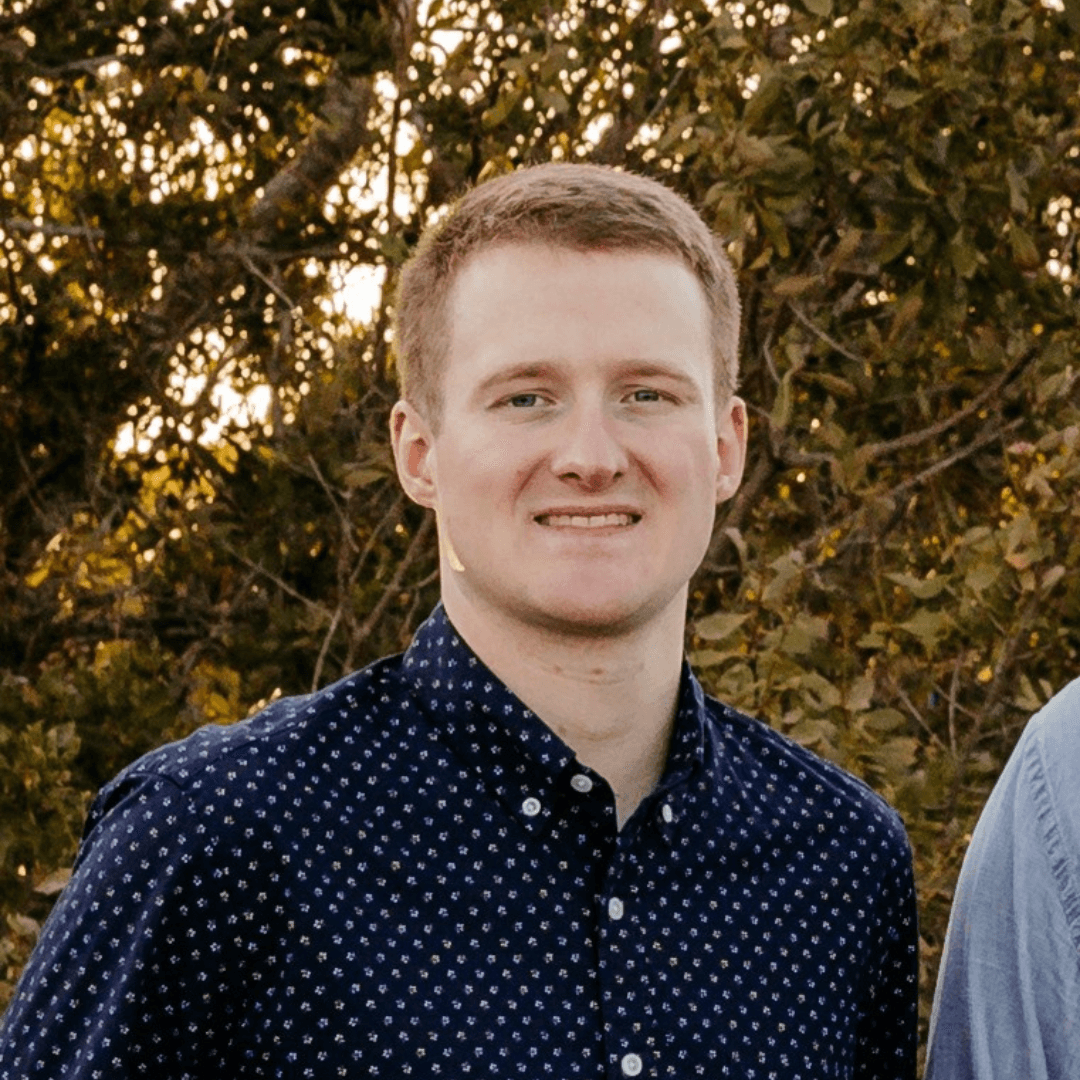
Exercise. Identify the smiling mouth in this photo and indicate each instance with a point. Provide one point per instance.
(587, 521)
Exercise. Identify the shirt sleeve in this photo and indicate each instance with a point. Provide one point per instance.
(888, 1031)
(136, 956)
(1007, 1002)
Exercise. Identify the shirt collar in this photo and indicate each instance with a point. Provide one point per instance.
(520, 757)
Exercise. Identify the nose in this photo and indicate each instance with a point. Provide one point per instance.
(589, 452)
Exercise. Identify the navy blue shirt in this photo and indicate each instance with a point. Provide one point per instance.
(407, 874)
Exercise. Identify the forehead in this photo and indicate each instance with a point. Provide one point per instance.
(515, 304)
(522, 258)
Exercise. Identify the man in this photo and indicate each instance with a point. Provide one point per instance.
(531, 846)
(1008, 995)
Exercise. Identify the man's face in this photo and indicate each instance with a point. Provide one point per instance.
(580, 454)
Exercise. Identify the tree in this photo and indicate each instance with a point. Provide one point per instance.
(198, 503)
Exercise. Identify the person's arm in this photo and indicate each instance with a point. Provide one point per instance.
(889, 1029)
(128, 977)
(1007, 1003)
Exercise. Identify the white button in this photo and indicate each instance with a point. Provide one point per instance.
(581, 783)
(631, 1065)
(531, 807)
(667, 813)
(616, 909)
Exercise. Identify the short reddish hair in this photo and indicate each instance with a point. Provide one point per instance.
(578, 207)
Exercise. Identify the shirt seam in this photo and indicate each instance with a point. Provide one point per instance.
(307, 709)
(1057, 853)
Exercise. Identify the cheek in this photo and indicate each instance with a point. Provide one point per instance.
(688, 468)
(482, 480)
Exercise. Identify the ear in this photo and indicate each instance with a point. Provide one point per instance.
(731, 432)
(414, 450)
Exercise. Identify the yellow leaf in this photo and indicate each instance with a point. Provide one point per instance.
(1053, 576)
(795, 285)
(780, 415)
(37, 576)
(53, 883)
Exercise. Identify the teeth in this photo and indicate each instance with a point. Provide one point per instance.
(580, 521)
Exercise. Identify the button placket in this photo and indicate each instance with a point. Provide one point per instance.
(623, 994)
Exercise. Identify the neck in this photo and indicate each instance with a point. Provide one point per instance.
(611, 699)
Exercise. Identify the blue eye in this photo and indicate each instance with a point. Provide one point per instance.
(523, 401)
(646, 395)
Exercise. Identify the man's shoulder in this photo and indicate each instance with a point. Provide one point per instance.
(286, 729)
(1047, 755)
(1056, 727)
(777, 768)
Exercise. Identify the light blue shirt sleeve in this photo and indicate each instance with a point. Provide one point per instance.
(1007, 1005)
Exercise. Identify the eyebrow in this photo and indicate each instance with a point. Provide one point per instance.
(530, 370)
(651, 369)
(629, 369)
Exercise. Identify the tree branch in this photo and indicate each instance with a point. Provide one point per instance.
(394, 586)
(48, 228)
(328, 149)
(917, 438)
(317, 673)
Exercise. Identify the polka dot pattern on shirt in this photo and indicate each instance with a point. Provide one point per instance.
(409, 875)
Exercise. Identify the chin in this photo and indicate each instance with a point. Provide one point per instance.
(599, 616)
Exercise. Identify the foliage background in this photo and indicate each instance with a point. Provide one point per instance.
(203, 206)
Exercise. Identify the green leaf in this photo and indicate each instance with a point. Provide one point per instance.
(922, 589)
(718, 626)
(804, 633)
(882, 721)
(503, 107)
(983, 574)
(903, 99)
(1024, 250)
(964, 257)
(776, 230)
(761, 109)
(360, 476)
(916, 178)
(928, 626)
(896, 754)
(834, 384)
(1018, 188)
(819, 693)
(788, 571)
(553, 98)
(814, 734)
